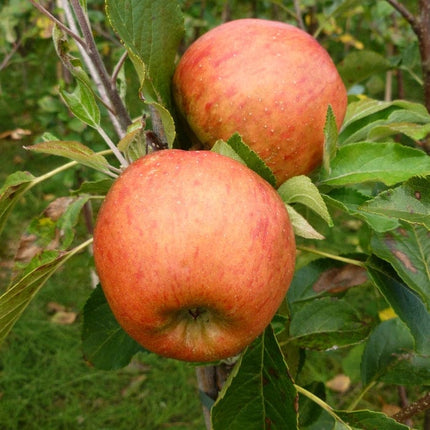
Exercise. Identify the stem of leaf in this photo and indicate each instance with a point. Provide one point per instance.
(113, 147)
(331, 256)
(59, 169)
(320, 403)
(362, 393)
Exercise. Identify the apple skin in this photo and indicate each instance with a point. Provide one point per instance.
(195, 253)
(270, 82)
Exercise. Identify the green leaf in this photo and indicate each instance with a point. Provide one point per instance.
(100, 187)
(243, 152)
(370, 120)
(259, 393)
(388, 356)
(82, 104)
(72, 150)
(325, 323)
(105, 344)
(70, 218)
(19, 295)
(322, 276)
(300, 189)
(408, 202)
(330, 139)
(169, 130)
(414, 131)
(351, 200)
(407, 249)
(309, 411)
(301, 226)
(12, 190)
(151, 31)
(360, 65)
(369, 420)
(223, 148)
(386, 162)
(405, 302)
(72, 64)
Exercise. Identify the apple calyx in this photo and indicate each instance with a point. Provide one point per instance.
(196, 312)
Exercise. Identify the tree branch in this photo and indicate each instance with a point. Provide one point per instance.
(66, 29)
(9, 55)
(404, 12)
(121, 118)
(118, 66)
(299, 17)
(421, 405)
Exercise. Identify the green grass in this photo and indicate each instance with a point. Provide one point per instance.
(45, 382)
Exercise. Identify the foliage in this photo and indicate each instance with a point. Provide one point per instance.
(362, 220)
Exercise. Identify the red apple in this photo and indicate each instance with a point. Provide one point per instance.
(195, 253)
(270, 82)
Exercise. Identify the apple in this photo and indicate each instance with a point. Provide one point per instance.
(270, 82)
(195, 253)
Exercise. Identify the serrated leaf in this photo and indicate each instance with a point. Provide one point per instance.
(223, 148)
(302, 286)
(360, 65)
(408, 202)
(169, 130)
(369, 420)
(259, 392)
(365, 116)
(72, 64)
(330, 139)
(151, 31)
(248, 156)
(386, 162)
(82, 104)
(12, 190)
(388, 356)
(133, 145)
(100, 187)
(406, 303)
(72, 150)
(325, 323)
(300, 189)
(105, 344)
(70, 218)
(407, 249)
(301, 226)
(350, 200)
(414, 131)
(309, 411)
(19, 295)
(322, 276)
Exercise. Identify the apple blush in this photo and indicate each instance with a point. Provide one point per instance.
(268, 81)
(195, 253)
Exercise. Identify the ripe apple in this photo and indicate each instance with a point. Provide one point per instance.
(270, 82)
(195, 253)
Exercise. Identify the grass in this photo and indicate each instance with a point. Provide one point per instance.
(45, 382)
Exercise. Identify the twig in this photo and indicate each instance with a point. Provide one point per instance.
(122, 119)
(404, 12)
(299, 17)
(421, 405)
(118, 66)
(9, 55)
(66, 29)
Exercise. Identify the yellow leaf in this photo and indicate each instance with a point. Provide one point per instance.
(387, 314)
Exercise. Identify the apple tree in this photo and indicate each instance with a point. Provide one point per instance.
(356, 318)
